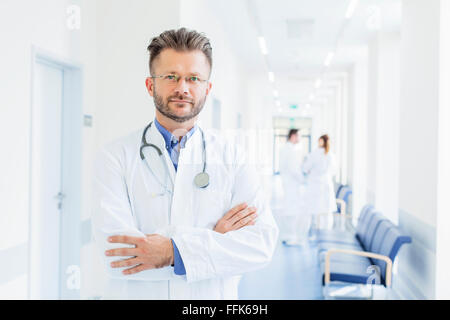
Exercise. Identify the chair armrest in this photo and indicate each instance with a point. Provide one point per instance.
(343, 205)
(359, 253)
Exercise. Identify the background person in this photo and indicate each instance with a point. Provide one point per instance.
(293, 222)
(320, 167)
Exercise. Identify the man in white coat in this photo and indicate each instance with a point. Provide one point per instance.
(164, 234)
(293, 219)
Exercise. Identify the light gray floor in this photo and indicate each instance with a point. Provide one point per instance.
(293, 274)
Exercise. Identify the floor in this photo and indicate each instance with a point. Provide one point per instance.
(293, 274)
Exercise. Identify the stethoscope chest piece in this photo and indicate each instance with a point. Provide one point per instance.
(201, 180)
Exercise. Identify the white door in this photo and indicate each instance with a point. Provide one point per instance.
(46, 182)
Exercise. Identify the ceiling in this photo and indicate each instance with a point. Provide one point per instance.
(299, 35)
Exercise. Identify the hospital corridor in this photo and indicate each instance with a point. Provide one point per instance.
(225, 150)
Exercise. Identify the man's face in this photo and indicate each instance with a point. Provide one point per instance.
(183, 100)
(295, 138)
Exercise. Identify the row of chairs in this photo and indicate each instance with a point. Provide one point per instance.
(363, 255)
(343, 194)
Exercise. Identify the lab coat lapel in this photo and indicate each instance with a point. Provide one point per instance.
(159, 165)
(189, 165)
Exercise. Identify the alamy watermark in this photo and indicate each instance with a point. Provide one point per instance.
(73, 281)
(374, 278)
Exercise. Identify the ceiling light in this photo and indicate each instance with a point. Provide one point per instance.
(328, 58)
(278, 103)
(351, 9)
(275, 93)
(311, 96)
(271, 77)
(262, 45)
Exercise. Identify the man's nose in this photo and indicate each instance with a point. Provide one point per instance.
(182, 86)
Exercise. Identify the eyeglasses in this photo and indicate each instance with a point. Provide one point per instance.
(172, 79)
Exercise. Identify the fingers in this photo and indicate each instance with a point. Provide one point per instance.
(123, 252)
(125, 239)
(136, 269)
(248, 220)
(125, 263)
(234, 210)
(242, 214)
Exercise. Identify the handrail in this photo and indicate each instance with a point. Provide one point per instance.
(386, 259)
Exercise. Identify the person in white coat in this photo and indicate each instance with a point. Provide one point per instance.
(292, 219)
(320, 167)
(175, 206)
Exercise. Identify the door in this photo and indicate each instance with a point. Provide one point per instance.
(46, 197)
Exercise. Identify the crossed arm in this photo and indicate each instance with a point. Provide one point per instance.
(156, 251)
(205, 253)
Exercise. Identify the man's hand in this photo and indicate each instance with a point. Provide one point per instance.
(153, 251)
(238, 217)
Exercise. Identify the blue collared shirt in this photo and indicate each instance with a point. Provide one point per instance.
(173, 150)
(173, 146)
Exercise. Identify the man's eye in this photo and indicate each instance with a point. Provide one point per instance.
(170, 77)
(193, 79)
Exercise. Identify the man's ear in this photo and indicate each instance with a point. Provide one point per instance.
(149, 85)
(208, 88)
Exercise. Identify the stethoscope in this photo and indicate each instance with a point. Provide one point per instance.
(201, 180)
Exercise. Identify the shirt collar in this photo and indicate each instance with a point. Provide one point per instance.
(170, 139)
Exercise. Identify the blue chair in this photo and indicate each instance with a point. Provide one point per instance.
(338, 190)
(367, 237)
(342, 198)
(362, 242)
(345, 199)
(345, 237)
(389, 246)
(380, 242)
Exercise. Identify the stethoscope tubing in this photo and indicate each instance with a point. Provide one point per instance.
(145, 144)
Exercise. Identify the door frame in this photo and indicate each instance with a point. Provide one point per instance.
(71, 166)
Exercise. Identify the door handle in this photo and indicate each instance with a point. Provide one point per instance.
(60, 196)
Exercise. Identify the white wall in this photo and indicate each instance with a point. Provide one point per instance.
(443, 206)
(23, 24)
(383, 90)
(359, 138)
(418, 147)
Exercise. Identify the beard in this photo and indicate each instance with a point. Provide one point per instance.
(163, 107)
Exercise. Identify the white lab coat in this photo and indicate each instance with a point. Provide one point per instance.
(128, 201)
(320, 169)
(292, 178)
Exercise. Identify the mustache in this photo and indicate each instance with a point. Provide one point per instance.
(180, 98)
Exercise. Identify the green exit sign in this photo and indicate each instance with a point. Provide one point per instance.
(293, 106)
